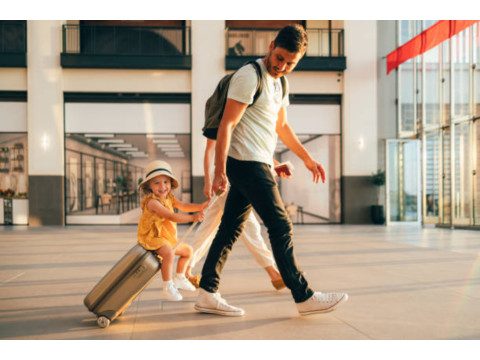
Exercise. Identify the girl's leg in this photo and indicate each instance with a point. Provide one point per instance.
(185, 252)
(167, 255)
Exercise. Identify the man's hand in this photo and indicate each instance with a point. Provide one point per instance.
(316, 169)
(220, 183)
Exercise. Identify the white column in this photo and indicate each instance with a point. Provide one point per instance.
(45, 98)
(360, 99)
(208, 67)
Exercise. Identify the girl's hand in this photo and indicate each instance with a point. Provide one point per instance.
(205, 204)
(198, 217)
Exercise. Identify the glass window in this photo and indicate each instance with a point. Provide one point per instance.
(462, 173)
(73, 180)
(314, 204)
(13, 165)
(476, 74)
(446, 108)
(431, 147)
(477, 173)
(418, 91)
(432, 87)
(103, 170)
(407, 31)
(88, 198)
(460, 63)
(407, 98)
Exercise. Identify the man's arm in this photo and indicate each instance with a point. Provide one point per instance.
(288, 137)
(232, 114)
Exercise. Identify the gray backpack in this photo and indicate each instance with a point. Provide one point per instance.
(216, 103)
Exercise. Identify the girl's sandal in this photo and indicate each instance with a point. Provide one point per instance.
(195, 280)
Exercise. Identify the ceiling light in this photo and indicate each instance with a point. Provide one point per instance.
(128, 149)
(120, 145)
(99, 135)
(165, 141)
(169, 147)
(112, 141)
(163, 136)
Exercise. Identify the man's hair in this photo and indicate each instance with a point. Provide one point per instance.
(292, 38)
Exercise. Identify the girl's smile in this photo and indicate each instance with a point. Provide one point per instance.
(161, 186)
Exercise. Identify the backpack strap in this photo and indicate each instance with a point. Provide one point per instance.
(284, 86)
(259, 89)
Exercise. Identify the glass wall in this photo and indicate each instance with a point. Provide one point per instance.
(431, 175)
(462, 173)
(441, 91)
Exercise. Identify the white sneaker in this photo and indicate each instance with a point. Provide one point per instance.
(321, 303)
(182, 283)
(213, 303)
(171, 293)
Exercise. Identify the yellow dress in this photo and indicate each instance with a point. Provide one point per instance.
(154, 231)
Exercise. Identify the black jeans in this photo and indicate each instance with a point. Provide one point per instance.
(252, 184)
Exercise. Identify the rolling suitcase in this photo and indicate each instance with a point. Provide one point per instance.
(121, 285)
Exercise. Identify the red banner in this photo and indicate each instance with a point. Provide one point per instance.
(428, 39)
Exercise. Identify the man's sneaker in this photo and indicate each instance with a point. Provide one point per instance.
(321, 303)
(171, 293)
(213, 303)
(182, 283)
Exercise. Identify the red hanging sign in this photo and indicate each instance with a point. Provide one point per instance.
(426, 40)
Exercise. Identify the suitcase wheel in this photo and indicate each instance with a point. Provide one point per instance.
(103, 321)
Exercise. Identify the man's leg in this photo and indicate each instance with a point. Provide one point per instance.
(256, 183)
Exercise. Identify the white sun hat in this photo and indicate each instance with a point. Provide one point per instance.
(156, 168)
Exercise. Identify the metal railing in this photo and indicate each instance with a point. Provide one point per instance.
(13, 37)
(255, 42)
(126, 40)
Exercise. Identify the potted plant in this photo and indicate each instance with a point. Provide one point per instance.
(378, 211)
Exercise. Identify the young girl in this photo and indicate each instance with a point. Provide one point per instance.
(157, 228)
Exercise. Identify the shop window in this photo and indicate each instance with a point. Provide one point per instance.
(13, 179)
(103, 170)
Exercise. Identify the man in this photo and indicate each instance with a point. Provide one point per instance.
(246, 142)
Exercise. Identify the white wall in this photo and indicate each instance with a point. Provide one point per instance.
(45, 98)
(308, 82)
(123, 80)
(208, 67)
(13, 79)
(360, 99)
(121, 118)
(13, 116)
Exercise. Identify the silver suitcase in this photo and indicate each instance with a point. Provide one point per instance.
(120, 286)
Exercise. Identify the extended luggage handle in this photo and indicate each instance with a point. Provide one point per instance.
(184, 236)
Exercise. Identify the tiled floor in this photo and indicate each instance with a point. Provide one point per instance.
(403, 283)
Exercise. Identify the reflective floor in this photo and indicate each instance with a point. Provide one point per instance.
(403, 283)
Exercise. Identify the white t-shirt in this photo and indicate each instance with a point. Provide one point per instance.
(254, 138)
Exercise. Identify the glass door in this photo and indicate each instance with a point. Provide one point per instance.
(403, 182)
